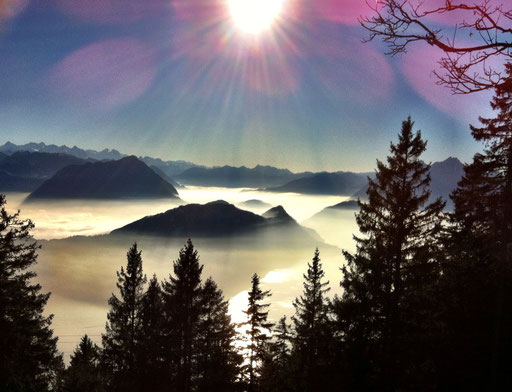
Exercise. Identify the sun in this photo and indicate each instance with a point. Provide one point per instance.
(254, 16)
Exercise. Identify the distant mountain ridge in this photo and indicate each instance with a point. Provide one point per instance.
(238, 177)
(345, 205)
(339, 183)
(127, 178)
(170, 168)
(215, 219)
(106, 154)
(334, 211)
(37, 164)
(445, 176)
(24, 171)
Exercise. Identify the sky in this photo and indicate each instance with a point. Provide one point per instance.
(217, 82)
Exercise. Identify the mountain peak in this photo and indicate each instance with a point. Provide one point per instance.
(127, 178)
(213, 219)
(278, 214)
(131, 159)
(217, 202)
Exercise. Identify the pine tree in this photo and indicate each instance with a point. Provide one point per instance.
(478, 272)
(496, 167)
(276, 370)
(390, 283)
(182, 307)
(84, 372)
(218, 360)
(311, 325)
(257, 333)
(149, 353)
(281, 345)
(124, 326)
(484, 196)
(29, 360)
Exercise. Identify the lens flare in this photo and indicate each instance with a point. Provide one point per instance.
(254, 16)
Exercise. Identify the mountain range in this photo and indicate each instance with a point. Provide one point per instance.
(26, 167)
(340, 183)
(170, 168)
(238, 177)
(24, 171)
(125, 178)
(444, 175)
(345, 205)
(106, 154)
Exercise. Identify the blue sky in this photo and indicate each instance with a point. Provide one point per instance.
(177, 79)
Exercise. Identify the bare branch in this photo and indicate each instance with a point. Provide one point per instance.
(399, 23)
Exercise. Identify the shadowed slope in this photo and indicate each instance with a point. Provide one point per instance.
(214, 219)
(24, 171)
(325, 184)
(127, 178)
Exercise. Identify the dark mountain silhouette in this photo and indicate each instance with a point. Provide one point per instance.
(445, 175)
(106, 154)
(235, 177)
(361, 193)
(345, 205)
(161, 173)
(278, 215)
(255, 203)
(2, 156)
(170, 168)
(334, 211)
(214, 219)
(37, 164)
(12, 183)
(122, 179)
(340, 183)
(24, 171)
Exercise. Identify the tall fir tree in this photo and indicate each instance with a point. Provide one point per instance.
(390, 282)
(483, 200)
(149, 353)
(478, 272)
(29, 360)
(311, 343)
(124, 326)
(182, 308)
(84, 373)
(276, 371)
(218, 359)
(258, 334)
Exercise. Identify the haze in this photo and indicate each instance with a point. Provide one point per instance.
(81, 278)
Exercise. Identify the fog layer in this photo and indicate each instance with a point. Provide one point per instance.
(81, 271)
